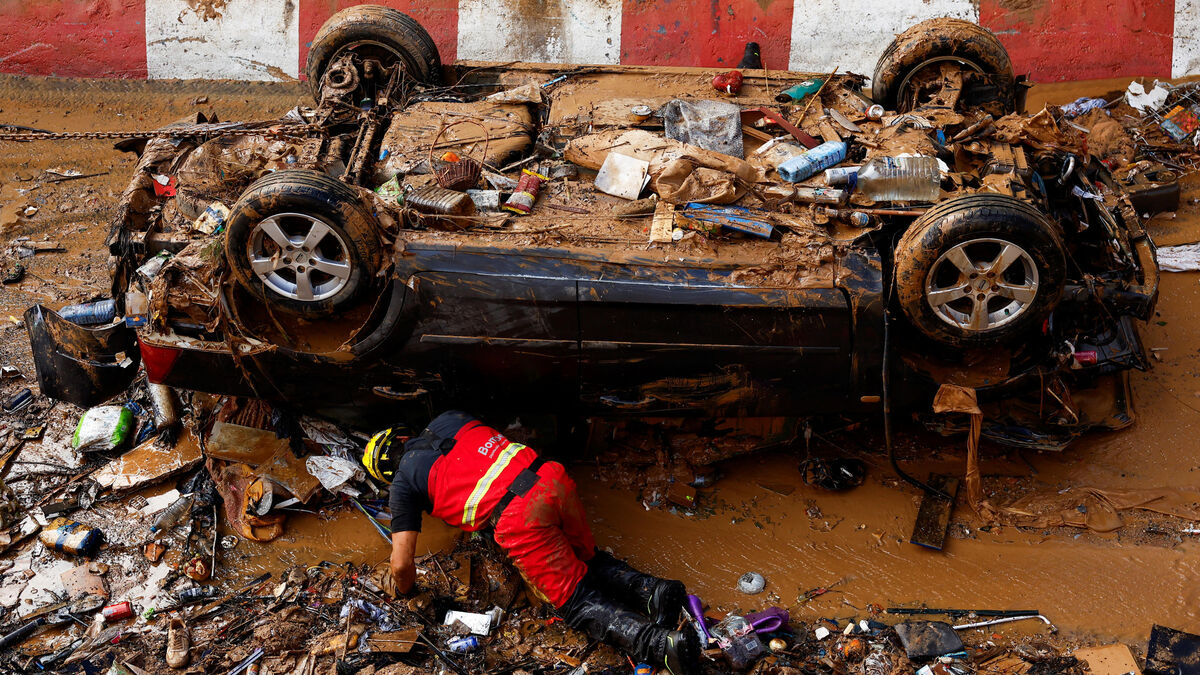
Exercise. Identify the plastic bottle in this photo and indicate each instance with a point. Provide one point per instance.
(909, 179)
(172, 514)
(90, 313)
(463, 645)
(819, 158)
(198, 593)
(841, 175)
(799, 91)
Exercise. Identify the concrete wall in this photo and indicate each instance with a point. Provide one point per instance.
(269, 39)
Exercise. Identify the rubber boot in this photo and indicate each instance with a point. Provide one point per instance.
(593, 612)
(660, 599)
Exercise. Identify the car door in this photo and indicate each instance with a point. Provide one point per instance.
(498, 330)
(675, 340)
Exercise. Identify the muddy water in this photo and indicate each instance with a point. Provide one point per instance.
(1112, 586)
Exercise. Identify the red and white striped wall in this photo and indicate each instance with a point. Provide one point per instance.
(269, 39)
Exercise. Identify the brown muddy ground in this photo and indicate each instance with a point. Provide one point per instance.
(1094, 587)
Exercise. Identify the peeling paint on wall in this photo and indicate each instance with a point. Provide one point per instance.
(850, 34)
(207, 9)
(269, 39)
(222, 39)
(547, 31)
(1185, 51)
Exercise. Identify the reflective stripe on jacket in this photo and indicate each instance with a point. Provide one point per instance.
(466, 483)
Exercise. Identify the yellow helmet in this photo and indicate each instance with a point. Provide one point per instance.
(379, 459)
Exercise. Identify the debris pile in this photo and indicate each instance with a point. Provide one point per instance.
(253, 260)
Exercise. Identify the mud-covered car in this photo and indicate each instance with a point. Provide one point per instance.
(316, 261)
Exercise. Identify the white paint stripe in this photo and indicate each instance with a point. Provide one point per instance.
(246, 40)
(851, 34)
(568, 31)
(25, 50)
(1185, 52)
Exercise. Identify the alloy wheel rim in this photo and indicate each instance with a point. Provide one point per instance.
(299, 257)
(982, 284)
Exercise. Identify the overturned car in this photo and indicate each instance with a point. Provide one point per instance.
(356, 259)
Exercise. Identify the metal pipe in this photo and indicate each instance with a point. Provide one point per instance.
(1007, 619)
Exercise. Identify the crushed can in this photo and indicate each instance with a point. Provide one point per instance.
(462, 645)
(73, 538)
(117, 612)
(643, 669)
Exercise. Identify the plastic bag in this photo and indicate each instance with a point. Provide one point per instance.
(712, 125)
(102, 428)
(336, 473)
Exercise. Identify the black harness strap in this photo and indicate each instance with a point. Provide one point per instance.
(519, 487)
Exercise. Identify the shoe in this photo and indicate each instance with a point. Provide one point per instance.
(666, 602)
(660, 599)
(681, 653)
(592, 611)
(178, 644)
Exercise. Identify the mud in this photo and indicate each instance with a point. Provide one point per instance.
(759, 516)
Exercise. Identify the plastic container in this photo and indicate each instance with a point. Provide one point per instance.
(751, 583)
(903, 179)
(90, 313)
(819, 158)
(67, 536)
(103, 428)
(438, 201)
(172, 514)
(198, 593)
(798, 92)
(819, 195)
(841, 175)
(463, 645)
(738, 641)
(777, 151)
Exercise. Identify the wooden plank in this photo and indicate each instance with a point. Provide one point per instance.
(395, 642)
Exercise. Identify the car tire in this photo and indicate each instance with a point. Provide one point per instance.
(335, 248)
(382, 31)
(936, 40)
(979, 270)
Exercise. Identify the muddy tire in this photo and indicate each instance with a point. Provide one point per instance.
(935, 41)
(302, 242)
(373, 30)
(979, 270)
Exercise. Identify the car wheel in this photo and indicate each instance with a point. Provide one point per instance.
(376, 32)
(931, 43)
(301, 241)
(979, 270)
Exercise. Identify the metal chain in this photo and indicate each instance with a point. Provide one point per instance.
(184, 132)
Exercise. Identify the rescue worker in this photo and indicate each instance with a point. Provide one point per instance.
(472, 477)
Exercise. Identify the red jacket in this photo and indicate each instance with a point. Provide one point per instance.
(466, 483)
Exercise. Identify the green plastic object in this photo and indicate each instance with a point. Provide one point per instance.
(798, 92)
(103, 428)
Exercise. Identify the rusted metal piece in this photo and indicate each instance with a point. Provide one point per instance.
(752, 114)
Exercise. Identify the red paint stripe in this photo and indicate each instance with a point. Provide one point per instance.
(682, 33)
(73, 38)
(438, 17)
(1084, 39)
